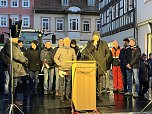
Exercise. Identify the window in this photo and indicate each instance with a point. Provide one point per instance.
(59, 24)
(65, 2)
(102, 20)
(25, 3)
(45, 23)
(74, 25)
(108, 16)
(117, 10)
(14, 19)
(131, 4)
(113, 12)
(14, 3)
(97, 25)
(3, 3)
(3, 20)
(86, 25)
(26, 21)
(91, 2)
(125, 6)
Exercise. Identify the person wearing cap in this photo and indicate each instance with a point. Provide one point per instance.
(98, 50)
(47, 67)
(64, 54)
(34, 65)
(18, 60)
(116, 70)
(122, 59)
(133, 54)
(143, 75)
(76, 48)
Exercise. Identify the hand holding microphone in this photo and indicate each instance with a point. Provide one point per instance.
(96, 39)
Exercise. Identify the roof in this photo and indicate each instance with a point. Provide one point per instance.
(54, 6)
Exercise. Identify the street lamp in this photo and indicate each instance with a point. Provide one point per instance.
(40, 34)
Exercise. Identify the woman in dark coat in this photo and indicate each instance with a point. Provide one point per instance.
(34, 65)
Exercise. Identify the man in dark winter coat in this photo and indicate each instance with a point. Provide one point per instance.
(34, 65)
(98, 50)
(132, 64)
(123, 62)
(143, 75)
(47, 61)
(76, 48)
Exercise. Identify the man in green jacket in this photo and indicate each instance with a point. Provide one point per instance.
(98, 50)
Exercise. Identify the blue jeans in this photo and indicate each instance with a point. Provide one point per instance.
(134, 73)
(6, 84)
(48, 79)
(57, 78)
(33, 80)
(124, 74)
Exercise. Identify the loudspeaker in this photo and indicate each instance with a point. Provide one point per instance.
(53, 39)
(2, 38)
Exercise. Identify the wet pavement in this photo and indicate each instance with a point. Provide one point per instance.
(49, 104)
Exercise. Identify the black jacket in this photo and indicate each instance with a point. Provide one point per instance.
(34, 59)
(150, 67)
(77, 52)
(122, 58)
(133, 56)
(143, 71)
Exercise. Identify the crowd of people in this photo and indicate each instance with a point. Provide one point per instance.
(128, 65)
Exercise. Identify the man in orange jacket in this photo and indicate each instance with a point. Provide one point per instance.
(116, 70)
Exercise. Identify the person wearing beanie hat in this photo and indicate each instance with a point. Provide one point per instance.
(98, 50)
(73, 41)
(132, 40)
(34, 65)
(35, 42)
(76, 48)
(133, 54)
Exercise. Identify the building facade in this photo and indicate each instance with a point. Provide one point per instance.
(16, 10)
(117, 19)
(144, 16)
(76, 19)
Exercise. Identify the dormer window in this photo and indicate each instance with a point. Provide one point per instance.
(91, 2)
(65, 2)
